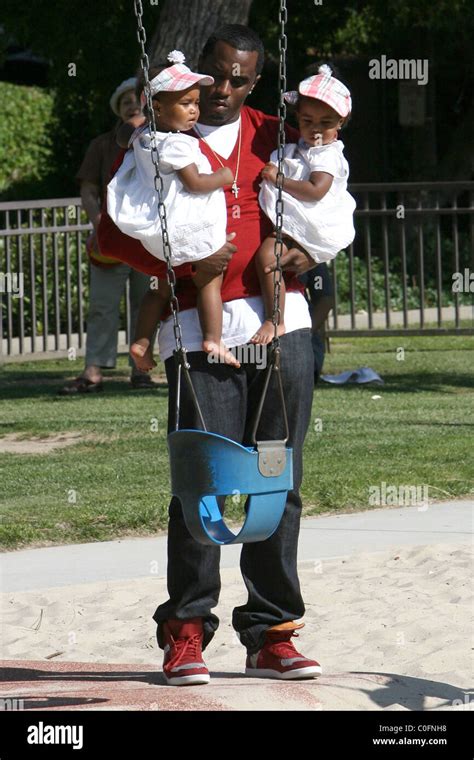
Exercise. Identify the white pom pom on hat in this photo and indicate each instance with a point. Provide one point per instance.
(325, 69)
(176, 56)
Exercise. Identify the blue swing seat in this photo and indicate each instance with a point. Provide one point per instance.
(206, 465)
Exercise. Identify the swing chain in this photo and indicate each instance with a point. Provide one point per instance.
(171, 277)
(183, 365)
(277, 275)
(274, 348)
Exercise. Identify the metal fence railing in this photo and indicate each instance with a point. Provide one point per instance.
(407, 272)
(44, 278)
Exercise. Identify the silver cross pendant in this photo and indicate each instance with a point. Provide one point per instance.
(235, 189)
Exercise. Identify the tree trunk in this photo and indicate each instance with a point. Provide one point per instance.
(186, 25)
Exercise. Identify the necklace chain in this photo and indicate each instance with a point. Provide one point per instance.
(235, 188)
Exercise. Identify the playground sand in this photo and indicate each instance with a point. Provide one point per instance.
(392, 630)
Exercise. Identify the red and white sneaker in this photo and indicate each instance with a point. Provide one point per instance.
(183, 663)
(278, 657)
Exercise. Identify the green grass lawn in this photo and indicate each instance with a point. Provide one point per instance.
(116, 483)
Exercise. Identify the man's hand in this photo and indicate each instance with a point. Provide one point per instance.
(270, 172)
(136, 121)
(217, 263)
(295, 259)
(126, 130)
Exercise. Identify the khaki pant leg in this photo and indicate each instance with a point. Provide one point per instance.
(106, 289)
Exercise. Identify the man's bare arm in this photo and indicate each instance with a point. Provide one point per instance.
(91, 201)
(321, 311)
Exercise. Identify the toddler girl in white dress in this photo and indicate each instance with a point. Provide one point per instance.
(194, 202)
(318, 210)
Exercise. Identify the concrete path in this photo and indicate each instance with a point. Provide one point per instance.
(320, 538)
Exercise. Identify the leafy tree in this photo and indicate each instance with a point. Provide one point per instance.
(92, 47)
(99, 40)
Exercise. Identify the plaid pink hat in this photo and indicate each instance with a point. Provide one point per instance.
(178, 76)
(323, 86)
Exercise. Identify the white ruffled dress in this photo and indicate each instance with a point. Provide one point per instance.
(322, 228)
(196, 221)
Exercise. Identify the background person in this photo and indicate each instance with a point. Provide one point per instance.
(108, 276)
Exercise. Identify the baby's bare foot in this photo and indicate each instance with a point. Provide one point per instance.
(142, 355)
(218, 352)
(266, 332)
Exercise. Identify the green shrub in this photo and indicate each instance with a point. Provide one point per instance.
(26, 140)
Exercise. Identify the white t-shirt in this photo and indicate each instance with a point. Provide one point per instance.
(221, 139)
(242, 317)
(240, 320)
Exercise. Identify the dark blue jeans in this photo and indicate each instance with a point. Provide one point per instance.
(228, 398)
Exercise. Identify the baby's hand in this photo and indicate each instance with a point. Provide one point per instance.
(270, 172)
(226, 175)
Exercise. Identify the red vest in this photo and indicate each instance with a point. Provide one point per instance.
(244, 217)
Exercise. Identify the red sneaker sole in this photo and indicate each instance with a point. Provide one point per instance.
(200, 678)
(310, 672)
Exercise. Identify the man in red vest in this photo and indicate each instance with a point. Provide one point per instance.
(235, 135)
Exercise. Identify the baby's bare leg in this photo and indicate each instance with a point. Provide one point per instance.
(263, 258)
(151, 309)
(209, 304)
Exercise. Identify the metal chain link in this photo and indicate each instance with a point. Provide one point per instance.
(277, 275)
(171, 277)
(275, 350)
